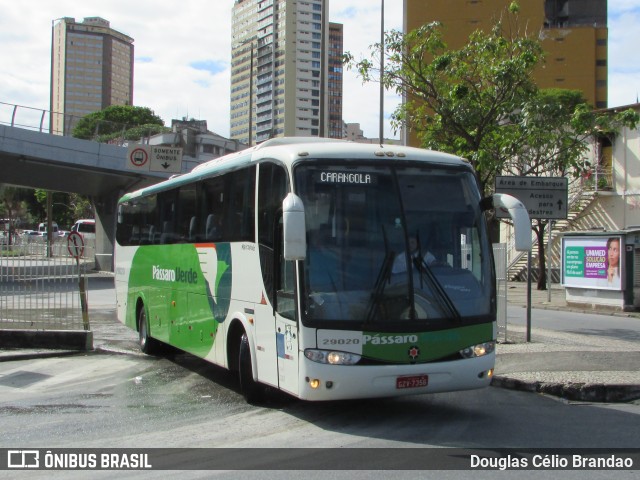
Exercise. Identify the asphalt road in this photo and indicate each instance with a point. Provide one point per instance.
(119, 398)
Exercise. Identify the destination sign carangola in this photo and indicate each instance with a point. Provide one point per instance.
(347, 177)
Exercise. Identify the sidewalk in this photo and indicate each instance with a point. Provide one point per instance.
(568, 365)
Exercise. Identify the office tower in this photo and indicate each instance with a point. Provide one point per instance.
(573, 34)
(334, 84)
(91, 69)
(278, 69)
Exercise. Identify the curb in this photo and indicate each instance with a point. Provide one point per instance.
(22, 355)
(582, 392)
(79, 340)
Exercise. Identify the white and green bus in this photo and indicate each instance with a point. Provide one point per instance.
(326, 269)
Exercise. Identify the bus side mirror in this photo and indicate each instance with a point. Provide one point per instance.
(295, 234)
(520, 217)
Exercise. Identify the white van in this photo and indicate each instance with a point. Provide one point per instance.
(42, 228)
(86, 228)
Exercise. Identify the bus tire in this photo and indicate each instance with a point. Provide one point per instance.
(250, 389)
(148, 345)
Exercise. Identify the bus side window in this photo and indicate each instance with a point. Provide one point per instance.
(273, 187)
(183, 229)
(135, 235)
(211, 207)
(211, 228)
(193, 229)
(240, 218)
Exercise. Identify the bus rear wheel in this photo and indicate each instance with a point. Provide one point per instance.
(251, 390)
(148, 345)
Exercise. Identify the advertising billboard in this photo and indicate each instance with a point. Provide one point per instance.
(592, 262)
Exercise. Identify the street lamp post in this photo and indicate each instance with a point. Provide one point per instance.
(381, 121)
(251, 53)
(251, 96)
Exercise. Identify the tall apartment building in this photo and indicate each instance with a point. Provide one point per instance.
(278, 69)
(573, 34)
(335, 82)
(91, 69)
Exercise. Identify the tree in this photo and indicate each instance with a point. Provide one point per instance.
(481, 103)
(114, 123)
(555, 127)
(66, 208)
(459, 101)
(12, 206)
(116, 120)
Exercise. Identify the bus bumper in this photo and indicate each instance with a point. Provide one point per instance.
(340, 382)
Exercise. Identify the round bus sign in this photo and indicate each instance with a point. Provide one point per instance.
(75, 245)
(138, 157)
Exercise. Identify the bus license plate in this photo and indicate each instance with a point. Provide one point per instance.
(414, 381)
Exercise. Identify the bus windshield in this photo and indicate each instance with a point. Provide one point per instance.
(393, 245)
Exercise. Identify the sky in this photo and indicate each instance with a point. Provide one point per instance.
(183, 50)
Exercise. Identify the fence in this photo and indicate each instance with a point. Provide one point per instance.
(39, 286)
(40, 120)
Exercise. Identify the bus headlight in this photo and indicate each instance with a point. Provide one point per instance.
(331, 357)
(479, 350)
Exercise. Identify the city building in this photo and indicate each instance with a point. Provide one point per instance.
(91, 69)
(279, 69)
(335, 83)
(198, 144)
(354, 133)
(573, 34)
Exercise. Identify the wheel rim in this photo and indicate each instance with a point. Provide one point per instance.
(143, 329)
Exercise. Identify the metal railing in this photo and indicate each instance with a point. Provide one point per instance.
(39, 120)
(40, 286)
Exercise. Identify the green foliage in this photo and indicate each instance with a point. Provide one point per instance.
(115, 120)
(481, 103)
(460, 101)
(14, 202)
(66, 208)
(134, 133)
(555, 128)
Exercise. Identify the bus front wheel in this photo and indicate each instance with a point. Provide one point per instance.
(251, 390)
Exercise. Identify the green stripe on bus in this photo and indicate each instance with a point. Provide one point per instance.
(423, 346)
(186, 289)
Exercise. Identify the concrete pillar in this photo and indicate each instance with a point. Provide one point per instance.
(105, 231)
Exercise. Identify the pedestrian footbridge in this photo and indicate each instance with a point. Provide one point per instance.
(52, 162)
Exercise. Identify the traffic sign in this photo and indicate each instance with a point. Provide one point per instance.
(543, 197)
(138, 158)
(154, 158)
(166, 159)
(75, 245)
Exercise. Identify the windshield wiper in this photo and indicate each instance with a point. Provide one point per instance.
(437, 288)
(383, 277)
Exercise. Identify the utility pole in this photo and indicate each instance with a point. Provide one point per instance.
(381, 130)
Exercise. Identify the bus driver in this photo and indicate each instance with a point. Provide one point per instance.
(400, 262)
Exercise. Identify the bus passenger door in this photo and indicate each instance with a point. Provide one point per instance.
(265, 341)
(278, 360)
(287, 328)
